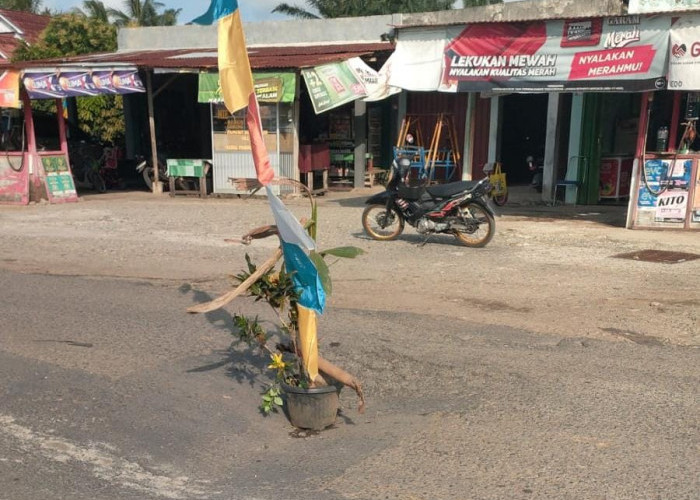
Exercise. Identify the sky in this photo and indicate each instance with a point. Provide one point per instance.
(251, 10)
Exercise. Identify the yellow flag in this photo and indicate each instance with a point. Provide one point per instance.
(308, 341)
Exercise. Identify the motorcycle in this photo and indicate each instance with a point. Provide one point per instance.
(537, 169)
(459, 208)
(144, 168)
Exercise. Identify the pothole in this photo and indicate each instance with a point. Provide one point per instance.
(663, 256)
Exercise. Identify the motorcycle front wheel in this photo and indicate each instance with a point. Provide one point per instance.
(381, 223)
(476, 228)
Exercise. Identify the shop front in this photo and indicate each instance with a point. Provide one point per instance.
(36, 165)
(566, 92)
(231, 149)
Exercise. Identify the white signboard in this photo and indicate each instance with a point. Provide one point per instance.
(672, 204)
(646, 6)
(684, 54)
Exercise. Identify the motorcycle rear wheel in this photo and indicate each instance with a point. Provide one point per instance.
(381, 223)
(481, 226)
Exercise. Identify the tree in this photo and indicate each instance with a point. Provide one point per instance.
(143, 13)
(355, 8)
(71, 35)
(94, 9)
(32, 6)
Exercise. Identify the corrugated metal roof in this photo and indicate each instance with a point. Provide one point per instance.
(260, 57)
(31, 24)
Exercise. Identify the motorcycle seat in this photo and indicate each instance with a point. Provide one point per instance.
(450, 189)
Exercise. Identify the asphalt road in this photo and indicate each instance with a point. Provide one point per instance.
(109, 390)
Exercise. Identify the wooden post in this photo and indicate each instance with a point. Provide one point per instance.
(360, 143)
(157, 188)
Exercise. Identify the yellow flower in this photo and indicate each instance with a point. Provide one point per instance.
(277, 362)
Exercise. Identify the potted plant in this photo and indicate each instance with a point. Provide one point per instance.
(303, 382)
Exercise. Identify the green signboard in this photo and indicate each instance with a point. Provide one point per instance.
(59, 180)
(186, 168)
(269, 87)
(332, 85)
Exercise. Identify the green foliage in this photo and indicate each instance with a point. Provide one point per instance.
(249, 330)
(32, 6)
(102, 117)
(271, 399)
(276, 288)
(343, 252)
(356, 8)
(69, 35)
(143, 13)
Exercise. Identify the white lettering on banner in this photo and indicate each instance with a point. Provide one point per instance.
(606, 57)
(478, 61)
(616, 21)
(469, 72)
(614, 70)
(533, 60)
(618, 39)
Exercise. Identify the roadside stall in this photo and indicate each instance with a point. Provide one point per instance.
(666, 187)
(31, 170)
(230, 140)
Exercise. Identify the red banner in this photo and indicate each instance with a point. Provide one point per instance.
(617, 53)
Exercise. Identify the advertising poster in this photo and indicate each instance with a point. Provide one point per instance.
(76, 83)
(626, 53)
(666, 190)
(58, 178)
(14, 180)
(332, 85)
(672, 205)
(609, 177)
(269, 87)
(684, 54)
(9, 89)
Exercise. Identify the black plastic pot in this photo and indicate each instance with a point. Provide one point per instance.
(314, 408)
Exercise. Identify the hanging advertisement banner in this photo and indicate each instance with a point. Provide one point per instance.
(269, 87)
(684, 54)
(651, 6)
(626, 53)
(332, 85)
(76, 83)
(9, 89)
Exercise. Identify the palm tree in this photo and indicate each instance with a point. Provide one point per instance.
(94, 9)
(32, 6)
(143, 13)
(352, 8)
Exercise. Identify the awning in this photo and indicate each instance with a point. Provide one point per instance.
(80, 82)
(626, 53)
(269, 87)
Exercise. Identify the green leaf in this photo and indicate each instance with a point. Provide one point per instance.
(344, 252)
(323, 271)
(277, 400)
